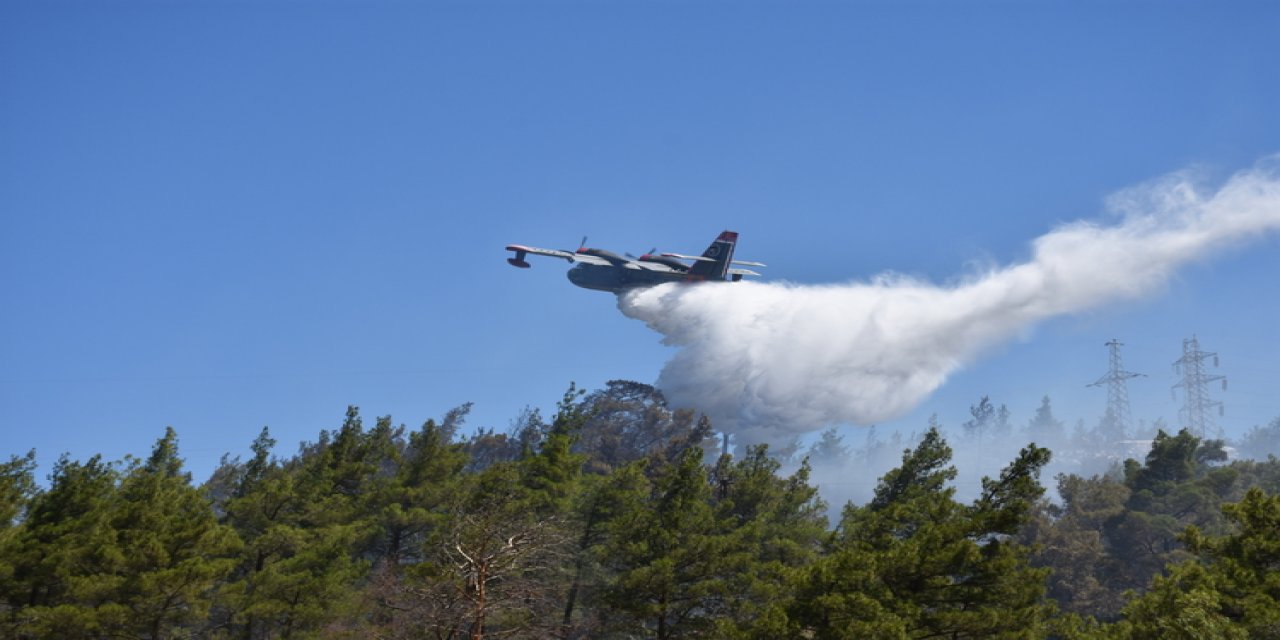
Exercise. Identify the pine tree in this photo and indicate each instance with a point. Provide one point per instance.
(775, 526)
(17, 487)
(17, 490)
(549, 474)
(1178, 485)
(418, 498)
(1182, 606)
(916, 563)
(63, 545)
(109, 554)
(173, 550)
(627, 421)
(1044, 428)
(1071, 543)
(1241, 568)
(600, 501)
(669, 554)
(829, 450)
(302, 526)
(983, 420)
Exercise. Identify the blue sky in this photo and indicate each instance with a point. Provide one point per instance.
(224, 215)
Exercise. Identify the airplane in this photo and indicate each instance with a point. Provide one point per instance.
(607, 271)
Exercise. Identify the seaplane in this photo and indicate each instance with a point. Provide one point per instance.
(603, 270)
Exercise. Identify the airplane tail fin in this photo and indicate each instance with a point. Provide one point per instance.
(718, 255)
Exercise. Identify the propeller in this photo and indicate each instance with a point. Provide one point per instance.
(648, 253)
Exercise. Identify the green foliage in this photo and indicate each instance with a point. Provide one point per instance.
(777, 525)
(493, 543)
(173, 551)
(628, 421)
(1071, 540)
(668, 554)
(601, 501)
(110, 553)
(1182, 606)
(300, 523)
(66, 531)
(607, 522)
(1176, 487)
(1171, 461)
(17, 490)
(1112, 536)
(549, 474)
(414, 501)
(17, 487)
(1244, 566)
(914, 562)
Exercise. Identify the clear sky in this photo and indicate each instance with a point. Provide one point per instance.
(225, 215)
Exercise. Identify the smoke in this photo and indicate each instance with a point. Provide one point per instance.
(771, 360)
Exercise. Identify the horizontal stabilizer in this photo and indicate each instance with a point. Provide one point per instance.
(684, 257)
(702, 259)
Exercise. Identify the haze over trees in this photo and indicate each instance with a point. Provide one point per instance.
(619, 517)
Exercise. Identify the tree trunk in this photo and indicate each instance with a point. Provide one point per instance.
(477, 627)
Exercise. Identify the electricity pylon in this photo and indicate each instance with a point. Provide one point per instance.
(1196, 411)
(1117, 392)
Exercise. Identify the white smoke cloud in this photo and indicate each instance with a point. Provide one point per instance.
(767, 360)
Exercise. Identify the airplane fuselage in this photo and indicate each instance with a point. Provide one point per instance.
(619, 279)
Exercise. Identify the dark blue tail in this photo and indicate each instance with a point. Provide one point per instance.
(721, 253)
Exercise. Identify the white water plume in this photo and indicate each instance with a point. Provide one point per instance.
(771, 360)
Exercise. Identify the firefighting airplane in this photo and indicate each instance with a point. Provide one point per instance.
(607, 271)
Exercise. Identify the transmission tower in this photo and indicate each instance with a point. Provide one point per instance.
(1196, 409)
(1117, 390)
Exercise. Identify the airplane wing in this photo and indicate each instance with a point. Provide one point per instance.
(589, 259)
(651, 266)
(521, 251)
(540, 252)
(742, 272)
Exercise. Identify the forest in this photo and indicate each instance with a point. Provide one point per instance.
(619, 517)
